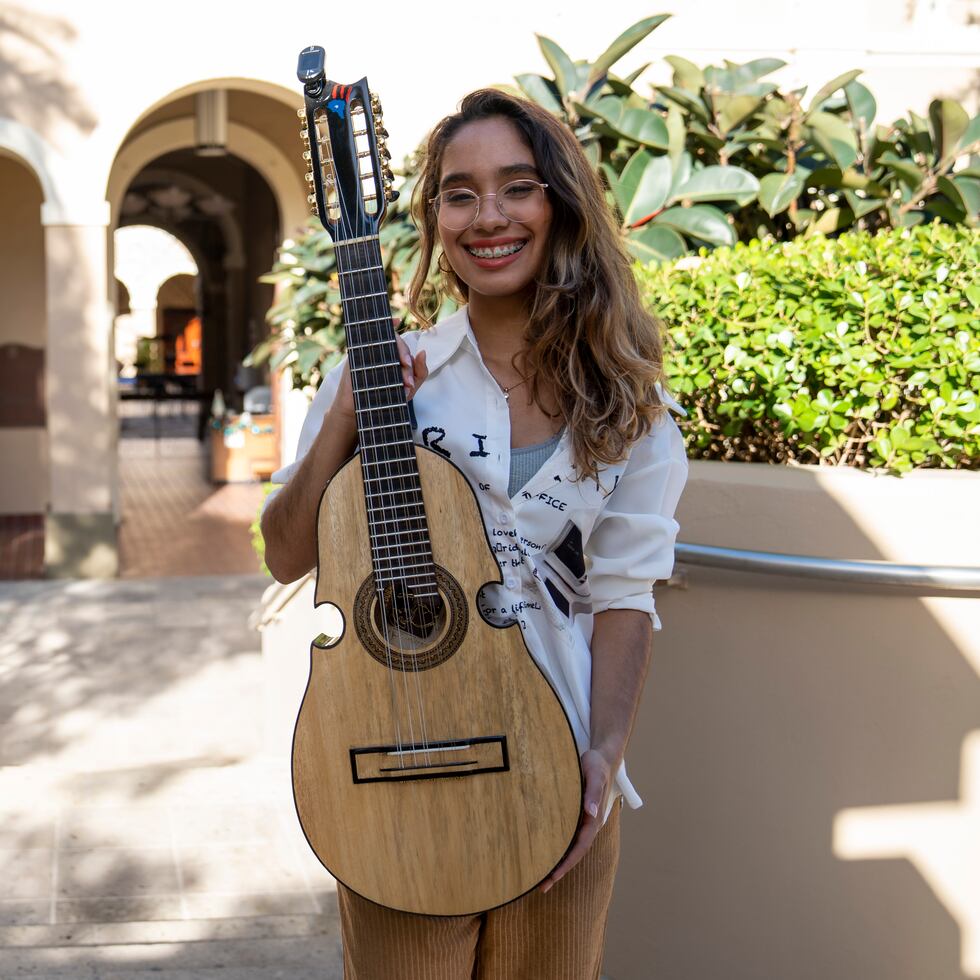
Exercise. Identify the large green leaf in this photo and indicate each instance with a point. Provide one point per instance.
(676, 132)
(778, 191)
(641, 188)
(653, 243)
(685, 100)
(972, 134)
(862, 205)
(861, 103)
(625, 42)
(686, 73)
(969, 188)
(834, 137)
(560, 63)
(949, 122)
(716, 183)
(699, 221)
(734, 109)
(952, 194)
(908, 171)
(683, 168)
(643, 126)
(832, 86)
(540, 90)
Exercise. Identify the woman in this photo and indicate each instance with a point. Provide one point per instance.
(544, 388)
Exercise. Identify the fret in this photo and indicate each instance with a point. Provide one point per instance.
(410, 475)
(352, 299)
(405, 520)
(398, 509)
(355, 241)
(414, 564)
(382, 445)
(382, 388)
(383, 408)
(367, 268)
(385, 462)
(398, 578)
(404, 548)
(386, 493)
(372, 343)
(374, 367)
(390, 425)
(370, 319)
(399, 534)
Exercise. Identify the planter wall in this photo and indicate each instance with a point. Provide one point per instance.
(804, 748)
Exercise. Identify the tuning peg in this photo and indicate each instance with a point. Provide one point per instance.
(381, 132)
(392, 195)
(309, 176)
(307, 155)
(301, 112)
(311, 198)
(383, 152)
(304, 134)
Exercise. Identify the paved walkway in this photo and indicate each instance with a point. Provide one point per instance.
(143, 832)
(174, 520)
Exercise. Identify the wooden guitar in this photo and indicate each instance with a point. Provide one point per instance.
(433, 767)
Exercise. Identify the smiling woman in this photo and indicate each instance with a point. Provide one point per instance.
(577, 478)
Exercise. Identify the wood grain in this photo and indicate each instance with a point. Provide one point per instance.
(446, 846)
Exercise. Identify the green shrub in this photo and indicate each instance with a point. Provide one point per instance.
(860, 350)
(255, 530)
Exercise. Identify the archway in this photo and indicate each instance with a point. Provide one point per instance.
(24, 491)
(229, 207)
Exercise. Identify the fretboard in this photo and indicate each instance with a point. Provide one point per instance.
(397, 525)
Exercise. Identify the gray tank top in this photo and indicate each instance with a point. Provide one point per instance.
(527, 460)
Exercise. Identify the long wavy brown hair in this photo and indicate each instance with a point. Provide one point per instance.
(587, 331)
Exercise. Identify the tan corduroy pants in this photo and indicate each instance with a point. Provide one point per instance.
(558, 935)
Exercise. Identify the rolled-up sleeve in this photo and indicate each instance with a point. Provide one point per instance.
(632, 543)
(312, 424)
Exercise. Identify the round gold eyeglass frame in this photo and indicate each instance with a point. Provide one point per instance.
(436, 202)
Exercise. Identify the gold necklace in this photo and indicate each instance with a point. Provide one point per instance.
(506, 391)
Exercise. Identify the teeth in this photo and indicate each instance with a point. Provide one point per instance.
(496, 252)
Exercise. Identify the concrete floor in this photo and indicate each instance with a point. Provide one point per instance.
(143, 832)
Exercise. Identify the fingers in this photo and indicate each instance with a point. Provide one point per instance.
(587, 831)
(595, 771)
(414, 369)
(405, 359)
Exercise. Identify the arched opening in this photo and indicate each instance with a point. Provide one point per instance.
(228, 207)
(24, 491)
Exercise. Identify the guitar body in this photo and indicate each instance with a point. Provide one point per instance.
(434, 774)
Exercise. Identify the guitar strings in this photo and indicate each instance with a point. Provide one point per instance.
(360, 409)
(377, 290)
(415, 536)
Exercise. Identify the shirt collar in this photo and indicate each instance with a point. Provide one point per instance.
(441, 341)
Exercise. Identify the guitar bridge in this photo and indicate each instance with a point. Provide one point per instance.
(430, 760)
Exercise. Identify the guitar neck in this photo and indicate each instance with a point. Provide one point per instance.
(397, 523)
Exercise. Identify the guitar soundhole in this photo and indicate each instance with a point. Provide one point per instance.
(402, 612)
(408, 632)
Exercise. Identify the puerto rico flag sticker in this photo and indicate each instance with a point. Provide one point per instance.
(338, 99)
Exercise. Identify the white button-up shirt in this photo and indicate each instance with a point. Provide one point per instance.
(568, 548)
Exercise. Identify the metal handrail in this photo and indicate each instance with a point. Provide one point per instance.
(960, 578)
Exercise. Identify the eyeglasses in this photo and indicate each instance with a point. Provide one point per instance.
(518, 200)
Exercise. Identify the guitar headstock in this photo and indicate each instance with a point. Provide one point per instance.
(349, 178)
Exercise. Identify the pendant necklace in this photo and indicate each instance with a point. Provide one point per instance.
(506, 391)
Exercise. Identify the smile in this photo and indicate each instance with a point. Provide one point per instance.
(499, 251)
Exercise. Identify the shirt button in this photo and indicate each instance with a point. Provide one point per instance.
(510, 582)
(505, 519)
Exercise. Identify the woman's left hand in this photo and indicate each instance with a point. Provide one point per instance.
(597, 774)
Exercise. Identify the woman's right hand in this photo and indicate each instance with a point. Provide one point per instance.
(414, 373)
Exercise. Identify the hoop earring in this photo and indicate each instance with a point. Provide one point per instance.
(444, 269)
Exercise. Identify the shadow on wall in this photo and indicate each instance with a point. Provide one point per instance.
(33, 82)
(786, 728)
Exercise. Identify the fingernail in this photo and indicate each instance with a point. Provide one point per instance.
(593, 810)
